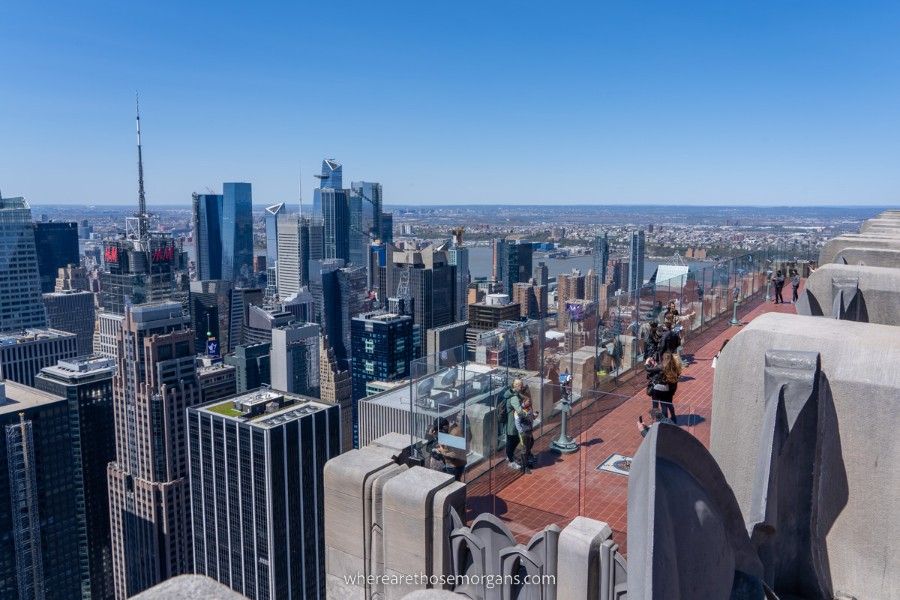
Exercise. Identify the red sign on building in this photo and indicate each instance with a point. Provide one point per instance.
(164, 254)
(111, 254)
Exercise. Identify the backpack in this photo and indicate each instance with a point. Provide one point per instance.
(503, 410)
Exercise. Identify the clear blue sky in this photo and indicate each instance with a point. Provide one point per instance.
(619, 101)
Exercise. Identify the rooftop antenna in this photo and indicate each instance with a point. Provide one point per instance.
(142, 216)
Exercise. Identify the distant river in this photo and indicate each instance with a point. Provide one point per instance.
(480, 258)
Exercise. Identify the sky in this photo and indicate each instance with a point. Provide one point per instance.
(748, 102)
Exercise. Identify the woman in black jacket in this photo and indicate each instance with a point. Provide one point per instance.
(662, 382)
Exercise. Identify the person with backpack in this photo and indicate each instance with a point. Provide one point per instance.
(778, 282)
(795, 285)
(652, 341)
(510, 404)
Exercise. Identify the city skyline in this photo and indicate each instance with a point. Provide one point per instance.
(787, 105)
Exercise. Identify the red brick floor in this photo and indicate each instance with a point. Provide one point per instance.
(563, 487)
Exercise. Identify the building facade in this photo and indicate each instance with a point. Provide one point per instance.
(294, 358)
(252, 366)
(24, 354)
(73, 312)
(58, 243)
(207, 224)
(86, 384)
(20, 285)
(155, 382)
(41, 526)
(237, 232)
(256, 472)
(636, 262)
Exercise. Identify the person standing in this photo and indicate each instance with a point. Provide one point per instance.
(663, 382)
(525, 427)
(652, 341)
(512, 401)
(778, 283)
(795, 285)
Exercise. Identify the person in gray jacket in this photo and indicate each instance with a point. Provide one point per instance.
(511, 403)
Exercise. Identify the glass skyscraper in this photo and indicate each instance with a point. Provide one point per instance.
(600, 259)
(58, 241)
(636, 262)
(273, 214)
(207, 217)
(237, 231)
(336, 215)
(20, 285)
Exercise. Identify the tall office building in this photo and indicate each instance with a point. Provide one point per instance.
(294, 358)
(636, 262)
(300, 241)
(73, 312)
(370, 194)
(42, 543)
(207, 224)
(352, 300)
(86, 385)
(336, 220)
(458, 256)
(58, 243)
(252, 365)
(256, 474)
(387, 227)
(382, 349)
(155, 382)
(531, 298)
(431, 283)
(512, 262)
(137, 271)
(541, 274)
(569, 286)
(25, 353)
(210, 310)
(241, 301)
(601, 258)
(20, 286)
(331, 177)
(336, 387)
(273, 214)
(237, 232)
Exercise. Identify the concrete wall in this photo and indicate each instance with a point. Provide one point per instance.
(834, 247)
(860, 362)
(879, 286)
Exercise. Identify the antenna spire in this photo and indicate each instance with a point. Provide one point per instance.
(142, 201)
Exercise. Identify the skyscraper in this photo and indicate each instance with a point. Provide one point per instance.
(252, 364)
(332, 175)
(512, 262)
(431, 282)
(382, 350)
(24, 353)
(387, 227)
(207, 223)
(256, 473)
(73, 312)
(601, 257)
(42, 554)
(210, 314)
(155, 382)
(300, 240)
(273, 214)
(237, 232)
(86, 384)
(636, 262)
(294, 358)
(58, 243)
(336, 219)
(335, 387)
(20, 286)
(370, 193)
(458, 256)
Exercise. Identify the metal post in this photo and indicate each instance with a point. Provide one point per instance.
(565, 444)
(734, 317)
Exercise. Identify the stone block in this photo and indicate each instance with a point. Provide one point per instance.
(879, 290)
(578, 573)
(835, 247)
(408, 511)
(859, 363)
(482, 420)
